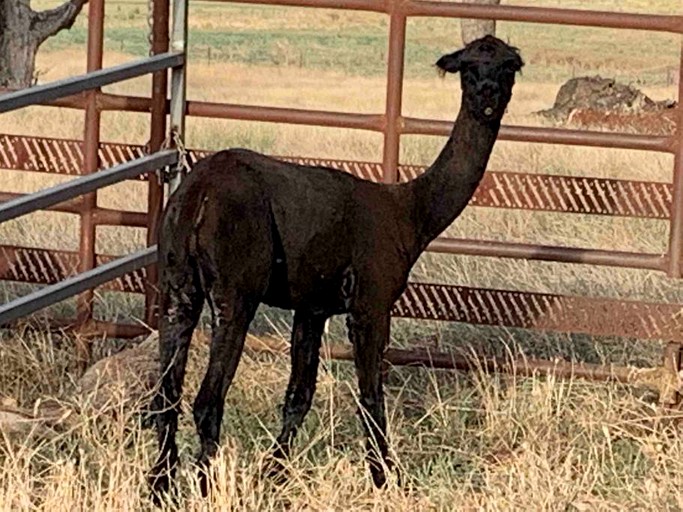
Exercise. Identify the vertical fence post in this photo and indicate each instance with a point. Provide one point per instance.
(676, 226)
(155, 197)
(91, 143)
(394, 98)
(668, 391)
(178, 83)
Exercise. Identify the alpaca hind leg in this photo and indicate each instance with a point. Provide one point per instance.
(232, 314)
(305, 357)
(181, 306)
(369, 336)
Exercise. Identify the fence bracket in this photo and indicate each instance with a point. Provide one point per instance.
(670, 382)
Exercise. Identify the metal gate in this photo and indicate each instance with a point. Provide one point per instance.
(435, 301)
(85, 158)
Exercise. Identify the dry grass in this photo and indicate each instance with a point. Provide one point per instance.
(466, 442)
(474, 442)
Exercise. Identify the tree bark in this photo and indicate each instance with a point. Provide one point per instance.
(474, 29)
(23, 30)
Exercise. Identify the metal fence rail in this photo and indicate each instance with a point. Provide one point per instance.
(68, 86)
(377, 123)
(65, 191)
(101, 216)
(551, 15)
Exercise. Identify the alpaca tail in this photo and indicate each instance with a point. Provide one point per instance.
(181, 295)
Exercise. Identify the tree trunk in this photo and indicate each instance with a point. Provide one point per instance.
(22, 31)
(474, 29)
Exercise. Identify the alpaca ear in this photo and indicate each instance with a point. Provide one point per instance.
(450, 63)
(516, 63)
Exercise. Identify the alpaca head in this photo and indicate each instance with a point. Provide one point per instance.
(487, 69)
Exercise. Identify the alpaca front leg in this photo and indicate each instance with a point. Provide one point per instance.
(369, 335)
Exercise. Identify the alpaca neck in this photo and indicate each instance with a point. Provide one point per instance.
(442, 192)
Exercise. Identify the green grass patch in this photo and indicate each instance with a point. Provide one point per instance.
(356, 43)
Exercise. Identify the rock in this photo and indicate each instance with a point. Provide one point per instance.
(121, 383)
(125, 380)
(599, 94)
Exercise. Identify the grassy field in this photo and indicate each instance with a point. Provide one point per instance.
(466, 442)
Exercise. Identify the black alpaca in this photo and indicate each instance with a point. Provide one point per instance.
(244, 229)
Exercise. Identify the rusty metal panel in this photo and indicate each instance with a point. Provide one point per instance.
(568, 194)
(513, 190)
(538, 192)
(506, 308)
(111, 154)
(40, 154)
(541, 311)
(59, 156)
(575, 195)
(42, 266)
(38, 266)
(499, 190)
(133, 282)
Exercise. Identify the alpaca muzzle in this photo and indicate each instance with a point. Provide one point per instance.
(488, 93)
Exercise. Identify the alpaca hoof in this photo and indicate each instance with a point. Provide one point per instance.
(160, 485)
(379, 473)
(275, 469)
(203, 480)
(379, 477)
